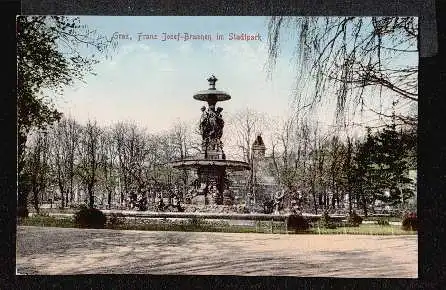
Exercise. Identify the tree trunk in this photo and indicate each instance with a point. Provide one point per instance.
(22, 203)
(36, 199)
(62, 199)
(314, 198)
(22, 185)
(71, 191)
(60, 181)
(333, 200)
(185, 183)
(109, 197)
(349, 177)
(337, 196)
(364, 207)
(364, 203)
(90, 195)
(61, 188)
(327, 200)
(350, 201)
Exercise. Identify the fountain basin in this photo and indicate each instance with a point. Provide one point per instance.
(212, 95)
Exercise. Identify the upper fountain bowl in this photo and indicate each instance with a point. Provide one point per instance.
(212, 95)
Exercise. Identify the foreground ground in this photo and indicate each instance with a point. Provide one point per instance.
(47, 251)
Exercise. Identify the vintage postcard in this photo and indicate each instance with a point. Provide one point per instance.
(217, 145)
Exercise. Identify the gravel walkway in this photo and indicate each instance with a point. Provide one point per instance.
(50, 251)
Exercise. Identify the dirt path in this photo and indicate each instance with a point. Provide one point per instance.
(73, 251)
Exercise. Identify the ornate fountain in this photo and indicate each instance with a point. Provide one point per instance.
(211, 164)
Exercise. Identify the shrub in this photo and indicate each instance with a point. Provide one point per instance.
(174, 208)
(196, 222)
(410, 222)
(268, 206)
(90, 218)
(115, 219)
(142, 204)
(354, 219)
(297, 223)
(180, 208)
(326, 222)
(383, 222)
(22, 211)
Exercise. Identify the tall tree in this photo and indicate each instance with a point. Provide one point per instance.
(48, 60)
(108, 168)
(245, 125)
(90, 157)
(368, 179)
(337, 155)
(394, 162)
(314, 157)
(182, 140)
(287, 156)
(60, 161)
(64, 138)
(37, 167)
(131, 146)
(71, 137)
(347, 178)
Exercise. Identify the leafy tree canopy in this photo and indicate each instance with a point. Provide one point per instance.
(49, 57)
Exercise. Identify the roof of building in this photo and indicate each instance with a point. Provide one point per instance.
(259, 141)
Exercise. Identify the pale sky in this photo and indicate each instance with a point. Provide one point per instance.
(151, 82)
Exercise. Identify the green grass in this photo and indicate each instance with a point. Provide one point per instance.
(183, 228)
(364, 229)
(46, 221)
(44, 211)
(390, 219)
(189, 225)
(198, 225)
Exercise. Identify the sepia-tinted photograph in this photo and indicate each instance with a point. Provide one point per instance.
(217, 145)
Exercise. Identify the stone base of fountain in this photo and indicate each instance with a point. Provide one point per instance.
(228, 197)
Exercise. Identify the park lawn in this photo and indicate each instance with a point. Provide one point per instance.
(46, 221)
(186, 227)
(364, 229)
(203, 226)
(389, 219)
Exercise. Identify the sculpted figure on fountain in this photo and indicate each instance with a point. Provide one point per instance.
(211, 127)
